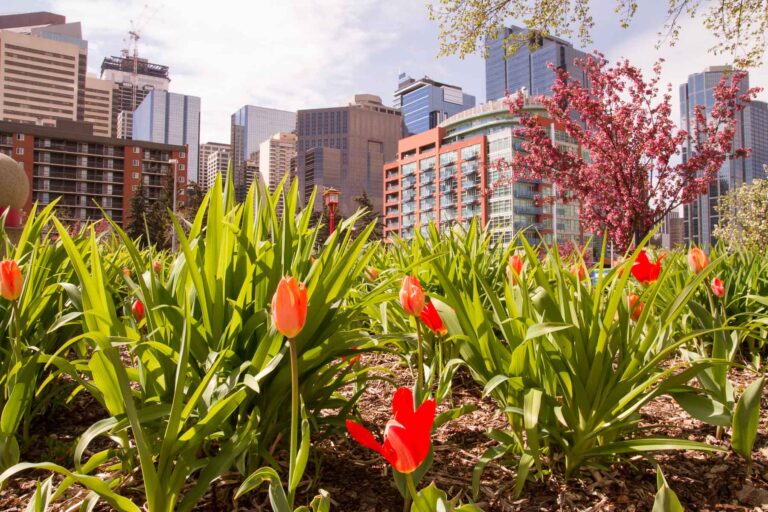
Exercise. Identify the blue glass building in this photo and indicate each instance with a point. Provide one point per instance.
(528, 67)
(425, 103)
(170, 118)
(701, 216)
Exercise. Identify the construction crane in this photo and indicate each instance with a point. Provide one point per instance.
(132, 45)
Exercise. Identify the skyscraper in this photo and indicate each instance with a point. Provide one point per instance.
(425, 103)
(170, 118)
(345, 148)
(207, 149)
(276, 155)
(43, 75)
(250, 127)
(216, 163)
(700, 216)
(98, 105)
(528, 68)
(134, 78)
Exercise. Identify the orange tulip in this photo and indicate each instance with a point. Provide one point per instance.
(697, 260)
(514, 267)
(10, 280)
(126, 272)
(289, 307)
(371, 274)
(138, 310)
(718, 288)
(635, 306)
(412, 296)
(577, 269)
(157, 266)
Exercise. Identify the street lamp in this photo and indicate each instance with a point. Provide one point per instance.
(175, 163)
(331, 199)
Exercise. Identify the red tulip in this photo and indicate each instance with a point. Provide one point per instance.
(635, 306)
(412, 296)
(432, 320)
(578, 270)
(514, 267)
(718, 288)
(289, 307)
(353, 359)
(138, 310)
(157, 266)
(697, 260)
(644, 271)
(10, 280)
(406, 436)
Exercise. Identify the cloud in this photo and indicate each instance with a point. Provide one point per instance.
(288, 55)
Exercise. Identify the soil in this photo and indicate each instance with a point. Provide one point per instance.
(358, 479)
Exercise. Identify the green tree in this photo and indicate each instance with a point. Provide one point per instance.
(738, 25)
(195, 195)
(139, 209)
(364, 203)
(158, 219)
(743, 213)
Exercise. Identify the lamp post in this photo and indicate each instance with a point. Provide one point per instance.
(175, 163)
(331, 199)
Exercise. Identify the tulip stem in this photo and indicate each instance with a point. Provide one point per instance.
(420, 384)
(411, 485)
(294, 416)
(16, 342)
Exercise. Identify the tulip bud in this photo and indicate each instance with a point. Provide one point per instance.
(577, 269)
(514, 267)
(138, 310)
(412, 296)
(126, 272)
(157, 266)
(718, 288)
(10, 280)
(371, 274)
(697, 260)
(289, 307)
(635, 306)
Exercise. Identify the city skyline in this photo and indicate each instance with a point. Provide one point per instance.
(357, 47)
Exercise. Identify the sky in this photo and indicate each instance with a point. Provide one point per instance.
(295, 54)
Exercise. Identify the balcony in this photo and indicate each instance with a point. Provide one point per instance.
(528, 210)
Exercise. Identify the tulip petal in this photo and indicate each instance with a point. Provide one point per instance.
(402, 405)
(363, 436)
(405, 448)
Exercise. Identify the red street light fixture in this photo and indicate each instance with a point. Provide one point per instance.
(331, 200)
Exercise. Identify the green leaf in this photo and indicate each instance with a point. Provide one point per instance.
(746, 418)
(545, 328)
(704, 408)
(666, 499)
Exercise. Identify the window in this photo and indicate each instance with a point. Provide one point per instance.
(19, 136)
(135, 163)
(136, 150)
(135, 175)
(183, 154)
(181, 179)
(134, 188)
(182, 167)
(19, 151)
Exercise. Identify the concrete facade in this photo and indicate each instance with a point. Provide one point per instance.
(207, 149)
(345, 148)
(98, 105)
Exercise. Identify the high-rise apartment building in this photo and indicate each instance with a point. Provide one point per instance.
(440, 175)
(216, 163)
(701, 216)
(170, 118)
(43, 63)
(425, 103)
(89, 173)
(528, 67)
(345, 148)
(98, 105)
(276, 155)
(207, 149)
(250, 127)
(134, 78)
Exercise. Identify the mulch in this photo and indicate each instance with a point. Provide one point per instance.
(358, 479)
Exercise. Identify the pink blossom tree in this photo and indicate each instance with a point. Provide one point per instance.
(625, 180)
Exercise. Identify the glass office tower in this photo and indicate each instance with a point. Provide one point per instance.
(425, 103)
